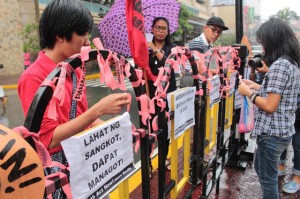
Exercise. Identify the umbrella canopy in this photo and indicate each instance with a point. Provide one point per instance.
(113, 30)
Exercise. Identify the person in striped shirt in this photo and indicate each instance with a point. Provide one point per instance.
(211, 32)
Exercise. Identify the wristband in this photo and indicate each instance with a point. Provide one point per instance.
(254, 98)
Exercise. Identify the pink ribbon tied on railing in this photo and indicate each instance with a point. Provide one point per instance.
(153, 145)
(139, 81)
(138, 134)
(47, 162)
(59, 92)
(50, 184)
(105, 70)
(146, 108)
(106, 75)
(225, 88)
(97, 42)
(40, 148)
(101, 64)
(161, 71)
(181, 58)
(59, 89)
(175, 64)
(119, 71)
(84, 56)
(162, 77)
(109, 77)
(52, 104)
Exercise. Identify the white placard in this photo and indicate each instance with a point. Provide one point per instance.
(184, 109)
(232, 83)
(100, 158)
(238, 100)
(214, 93)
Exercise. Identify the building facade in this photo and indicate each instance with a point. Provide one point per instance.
(16, 14)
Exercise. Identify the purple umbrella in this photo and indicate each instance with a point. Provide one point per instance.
(113, 30)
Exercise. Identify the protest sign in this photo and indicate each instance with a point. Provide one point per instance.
(238, 100)
(21, 170)
(100, 158)
(232, 83)
(214, 93)
(182, 103)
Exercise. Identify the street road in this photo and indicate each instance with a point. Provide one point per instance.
(12, 115)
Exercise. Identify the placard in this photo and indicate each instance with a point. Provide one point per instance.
(100, 158)
(214, 93)
(232, 83)
(182, 103)
(238, 100)
(21, 169)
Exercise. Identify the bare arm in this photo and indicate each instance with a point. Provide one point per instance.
(268, 104)
(158, 53)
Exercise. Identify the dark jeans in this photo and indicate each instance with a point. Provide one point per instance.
(269, 149)
(296, 148)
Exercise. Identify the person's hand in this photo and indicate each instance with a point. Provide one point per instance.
(248, 83)
(264, 68)
(112, 104)
(151, 45)
(244, 90)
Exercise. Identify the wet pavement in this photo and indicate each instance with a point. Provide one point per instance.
(235, 183)
(239, 184)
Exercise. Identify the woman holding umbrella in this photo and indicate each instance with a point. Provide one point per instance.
(160, 48)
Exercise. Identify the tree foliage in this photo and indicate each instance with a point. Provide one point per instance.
(287, 15)
(183, 24)
(31, 40)
(226, 40)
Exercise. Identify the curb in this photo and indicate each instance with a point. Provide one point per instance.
(15, 86)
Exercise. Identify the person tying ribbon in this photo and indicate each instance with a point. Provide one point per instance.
(60, 39)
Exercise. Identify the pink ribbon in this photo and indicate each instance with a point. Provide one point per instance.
(138, 134)
(139, 81)
(97, 42)
(40, 148)
(145, 108)
(50, 184)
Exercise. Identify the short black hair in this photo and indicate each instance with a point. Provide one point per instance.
(278, 39)
(168, 37)
(62, 18)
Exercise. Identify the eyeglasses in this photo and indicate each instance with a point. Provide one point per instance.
(216, 30)
(162, 28)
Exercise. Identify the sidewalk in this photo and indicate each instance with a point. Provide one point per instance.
(12, 82)
(235, 183)
(9, 82)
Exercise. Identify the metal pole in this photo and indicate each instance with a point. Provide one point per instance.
(239, 20)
